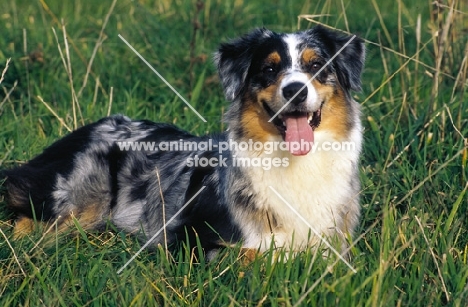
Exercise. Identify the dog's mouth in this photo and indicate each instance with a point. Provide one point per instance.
(297, 128)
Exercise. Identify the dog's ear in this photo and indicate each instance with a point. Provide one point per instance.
(233, 61)
(349, 63)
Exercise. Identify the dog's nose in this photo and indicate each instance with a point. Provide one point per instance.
(292, 89)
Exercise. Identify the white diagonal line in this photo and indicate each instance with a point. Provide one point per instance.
(159, 231)
(313, 230)
(314, 76)
(162, 78)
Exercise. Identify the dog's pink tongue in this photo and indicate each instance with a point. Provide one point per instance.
(299, 135)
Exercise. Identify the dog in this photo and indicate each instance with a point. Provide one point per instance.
(290, 90)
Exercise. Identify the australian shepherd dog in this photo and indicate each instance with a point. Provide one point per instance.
(282, 179)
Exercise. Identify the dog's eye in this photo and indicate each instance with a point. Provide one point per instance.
(316, 66)
(268, 70)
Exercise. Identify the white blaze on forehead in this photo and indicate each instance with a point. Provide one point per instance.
(292, 41)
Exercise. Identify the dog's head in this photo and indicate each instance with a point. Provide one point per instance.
(291, 84)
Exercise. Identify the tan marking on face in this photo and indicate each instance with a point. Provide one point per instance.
(255, 122)
(255, 118)
(268, 95)
(273, 58)
(324, 91)
(335, 113)
(308, 55)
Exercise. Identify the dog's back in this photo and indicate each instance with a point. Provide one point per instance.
(111, 171)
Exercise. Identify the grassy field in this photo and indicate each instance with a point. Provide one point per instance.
(412, 243)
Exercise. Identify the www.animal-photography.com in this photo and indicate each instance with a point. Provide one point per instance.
(233, 153)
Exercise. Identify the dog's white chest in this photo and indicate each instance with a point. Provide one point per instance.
(313, 194)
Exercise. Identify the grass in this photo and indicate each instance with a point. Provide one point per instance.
(413, 237)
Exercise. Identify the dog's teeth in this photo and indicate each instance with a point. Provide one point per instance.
(309, 118)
